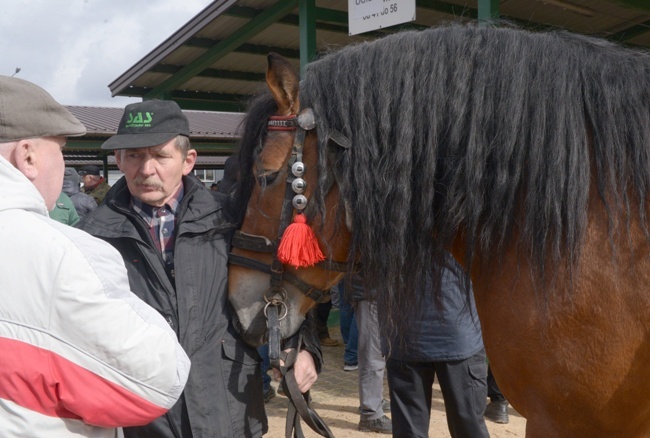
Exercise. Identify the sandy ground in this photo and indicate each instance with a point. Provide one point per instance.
(336, 399)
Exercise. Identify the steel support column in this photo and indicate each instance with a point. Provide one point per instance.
(307, 32)
(488, 11)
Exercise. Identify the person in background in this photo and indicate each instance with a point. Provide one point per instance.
(371, 361)
(268, 390)
(443, 341)
(173, 233)
(94, 184)
(321, 314)
(349, 330)
(83, 203)
(214, 186)
(497, 409)
(64, 211)
(81, 355)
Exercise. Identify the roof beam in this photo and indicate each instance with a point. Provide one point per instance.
(212, 73)
(448, 8)
(230, 106)
(324, 19)
(255, 49)
(199, 100)
(237, 38)
(630, 32)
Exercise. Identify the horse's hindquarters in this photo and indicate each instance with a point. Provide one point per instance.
(579, 365)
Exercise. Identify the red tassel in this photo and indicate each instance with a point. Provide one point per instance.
(299, 246)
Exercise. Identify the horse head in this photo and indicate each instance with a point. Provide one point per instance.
(279, 172)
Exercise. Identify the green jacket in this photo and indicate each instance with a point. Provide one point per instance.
(64, 211)
(99, 191)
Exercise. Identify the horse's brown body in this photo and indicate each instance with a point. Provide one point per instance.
(574, 359)
(573, 366)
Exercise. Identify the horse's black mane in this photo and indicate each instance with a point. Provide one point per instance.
(253, 134)
(491, 132)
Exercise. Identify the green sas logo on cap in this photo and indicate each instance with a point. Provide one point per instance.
(139, 120)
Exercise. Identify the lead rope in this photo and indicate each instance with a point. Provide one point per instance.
(299, 406)
(300, 403)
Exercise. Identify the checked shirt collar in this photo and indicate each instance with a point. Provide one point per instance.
(161, 222)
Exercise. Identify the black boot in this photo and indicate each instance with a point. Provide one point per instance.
(497, 411)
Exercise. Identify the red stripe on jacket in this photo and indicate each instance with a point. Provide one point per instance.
(49, 384)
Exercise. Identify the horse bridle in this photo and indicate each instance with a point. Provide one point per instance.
(294, 199)
(275, 297)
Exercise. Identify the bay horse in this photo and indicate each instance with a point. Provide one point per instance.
(525, 154)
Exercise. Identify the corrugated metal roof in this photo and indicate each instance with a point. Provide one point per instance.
(202, 161)
(217, 60)
(103, 121)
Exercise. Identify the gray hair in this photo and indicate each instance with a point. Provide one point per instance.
(183, 144)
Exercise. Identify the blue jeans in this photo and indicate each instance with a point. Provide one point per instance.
(349, 332)
(266, 363)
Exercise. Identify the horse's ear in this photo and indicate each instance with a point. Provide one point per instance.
(282, 80)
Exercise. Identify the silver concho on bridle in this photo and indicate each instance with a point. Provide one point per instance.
(307, 121)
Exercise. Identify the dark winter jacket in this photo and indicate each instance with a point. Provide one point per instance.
(223, 395)
(83, 203)
(435, 334)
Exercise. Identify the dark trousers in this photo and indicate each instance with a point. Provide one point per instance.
(494, 392)
(321, 314)
(464, 390)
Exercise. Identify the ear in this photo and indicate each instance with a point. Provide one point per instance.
(283, 81)
(190, 160)
(25, 158)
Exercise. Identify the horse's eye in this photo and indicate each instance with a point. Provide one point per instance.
(267, 178)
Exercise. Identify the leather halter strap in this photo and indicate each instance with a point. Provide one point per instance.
(276, 295)
(262, 244)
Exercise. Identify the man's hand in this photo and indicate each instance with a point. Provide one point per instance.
(304, 371)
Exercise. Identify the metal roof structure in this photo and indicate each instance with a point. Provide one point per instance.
(213, 134)
(204, 125)
(217, 60)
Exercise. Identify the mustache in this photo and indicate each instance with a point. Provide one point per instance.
(149, 182)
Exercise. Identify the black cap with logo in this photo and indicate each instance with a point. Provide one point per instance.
(149, 123)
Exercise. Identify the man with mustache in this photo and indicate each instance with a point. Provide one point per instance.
(173, 235)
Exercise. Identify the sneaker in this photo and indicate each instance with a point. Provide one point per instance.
(329, 342)
(350, 367)
(385, 405)
(382, 424)
(269, 394)
(497, 411)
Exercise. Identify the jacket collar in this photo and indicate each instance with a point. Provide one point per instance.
(18, 192)
(113, 218)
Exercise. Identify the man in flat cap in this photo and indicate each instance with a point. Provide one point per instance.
(172, 232)
(95, 185)
(81, 354)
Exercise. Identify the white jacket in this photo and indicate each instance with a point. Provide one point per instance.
(80, 355)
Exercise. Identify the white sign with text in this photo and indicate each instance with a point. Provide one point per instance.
(367, 15)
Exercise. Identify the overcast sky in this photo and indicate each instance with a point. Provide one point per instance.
(75, 48)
